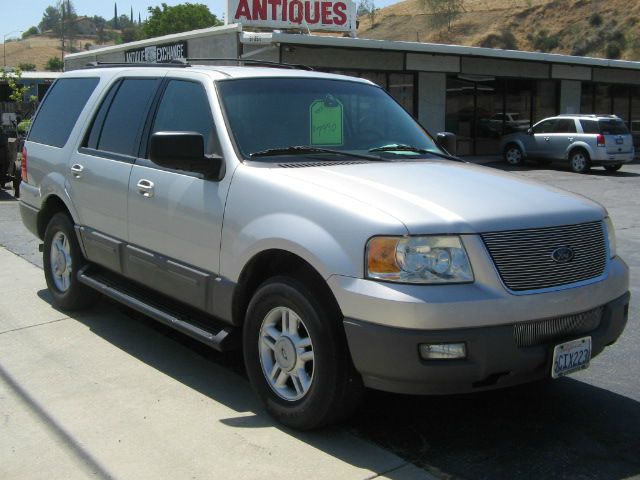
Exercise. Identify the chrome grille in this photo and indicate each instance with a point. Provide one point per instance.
(523, 257)
(529, 334)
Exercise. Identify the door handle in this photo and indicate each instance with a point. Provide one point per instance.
(570, 139)
(546, 139)
(76, 170)
(145, 188)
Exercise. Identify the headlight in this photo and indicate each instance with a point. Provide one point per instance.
(611, 237)
(427, 259)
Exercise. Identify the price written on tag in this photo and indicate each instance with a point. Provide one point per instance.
(326, 123)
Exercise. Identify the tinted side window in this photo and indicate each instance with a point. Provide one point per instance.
(125, 117)
(589, 126)
(545, 127)
(60, 110)
(565, 125)
(185, 108)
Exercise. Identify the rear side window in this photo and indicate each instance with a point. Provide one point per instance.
(119, 121)
(590, 126)
(60, 110)
(612, 127)
(565, 125)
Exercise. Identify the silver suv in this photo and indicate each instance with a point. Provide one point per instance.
(581, 140)
(309, 220)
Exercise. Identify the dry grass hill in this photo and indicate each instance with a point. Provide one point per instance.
(38, 49)
(594, 28)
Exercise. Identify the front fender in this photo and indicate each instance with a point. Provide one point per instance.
(292, 233)
(517, 141)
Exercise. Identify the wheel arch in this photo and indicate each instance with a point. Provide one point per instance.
(518, 143)
(50, 206)
(578, 146)
(274, 262)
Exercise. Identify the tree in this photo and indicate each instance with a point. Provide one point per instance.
(443, 12)
(368, 8)
(30, 31)
(115, 15)
(54, 64)
(17, 89)
(181, 18)
(50, 20)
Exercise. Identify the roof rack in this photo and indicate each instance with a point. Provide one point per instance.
(180, 63)
(590, 115)
(265, 63)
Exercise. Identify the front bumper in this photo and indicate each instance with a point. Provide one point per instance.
(388, 357)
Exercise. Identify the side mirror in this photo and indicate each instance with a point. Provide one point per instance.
(529, 131)
(448, 142)
(185, 151)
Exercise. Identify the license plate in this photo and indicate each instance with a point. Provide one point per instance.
(571, 356)
(619, 141)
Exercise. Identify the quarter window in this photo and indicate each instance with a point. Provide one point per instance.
(60, 111)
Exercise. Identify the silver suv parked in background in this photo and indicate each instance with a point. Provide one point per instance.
(308, 219)
(582, 140)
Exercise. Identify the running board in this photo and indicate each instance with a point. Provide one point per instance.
(196, 324)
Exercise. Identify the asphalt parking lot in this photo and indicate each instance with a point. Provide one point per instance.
(583, 427)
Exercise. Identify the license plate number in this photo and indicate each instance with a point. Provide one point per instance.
(571, 356)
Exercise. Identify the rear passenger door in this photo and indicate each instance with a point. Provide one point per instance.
(100, 169)
(175, 217)
(564, 133)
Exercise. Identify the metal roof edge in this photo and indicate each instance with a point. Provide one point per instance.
(203, 32)
(443, 49)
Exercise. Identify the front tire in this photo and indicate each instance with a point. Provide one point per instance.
(513, 155)
(579, 161)
(297, 358)
(62, 258)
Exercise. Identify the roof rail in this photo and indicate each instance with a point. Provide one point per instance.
(177, 62)
(590, 115)
(265, 63)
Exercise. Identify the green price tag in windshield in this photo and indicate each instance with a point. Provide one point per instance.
(326, 122)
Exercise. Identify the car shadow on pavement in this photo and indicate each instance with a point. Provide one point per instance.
(219, 376)
(552, 430)
(528, 167)
(7, 196)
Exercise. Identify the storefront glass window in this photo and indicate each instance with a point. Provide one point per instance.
(621, 102)
(401, 88)
(602, 102)
(460, 110)
(586, 98)
(545, 100)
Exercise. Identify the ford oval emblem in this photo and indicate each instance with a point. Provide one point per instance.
(562, 254)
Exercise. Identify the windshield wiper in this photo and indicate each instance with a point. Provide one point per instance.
(399, 147)
(303, 149)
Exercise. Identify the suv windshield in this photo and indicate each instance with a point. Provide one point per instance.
(279, 113)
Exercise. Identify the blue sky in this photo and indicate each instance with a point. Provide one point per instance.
(22, 14)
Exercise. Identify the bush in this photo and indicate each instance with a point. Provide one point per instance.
(595, 20)
(504, 40)
(613, 50)
(54, 64)
(27, 67)
(543, 42)
(31, 31)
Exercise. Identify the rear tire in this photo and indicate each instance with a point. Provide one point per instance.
(62, 259)
(613, 168)
(297, 358)
(513, 155)
(579, 161)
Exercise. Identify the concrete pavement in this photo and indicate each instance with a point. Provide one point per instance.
(99, 395)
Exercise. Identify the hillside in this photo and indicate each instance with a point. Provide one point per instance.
(38, 49)
(595, 28)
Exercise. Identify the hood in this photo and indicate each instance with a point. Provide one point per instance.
(440, 196)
